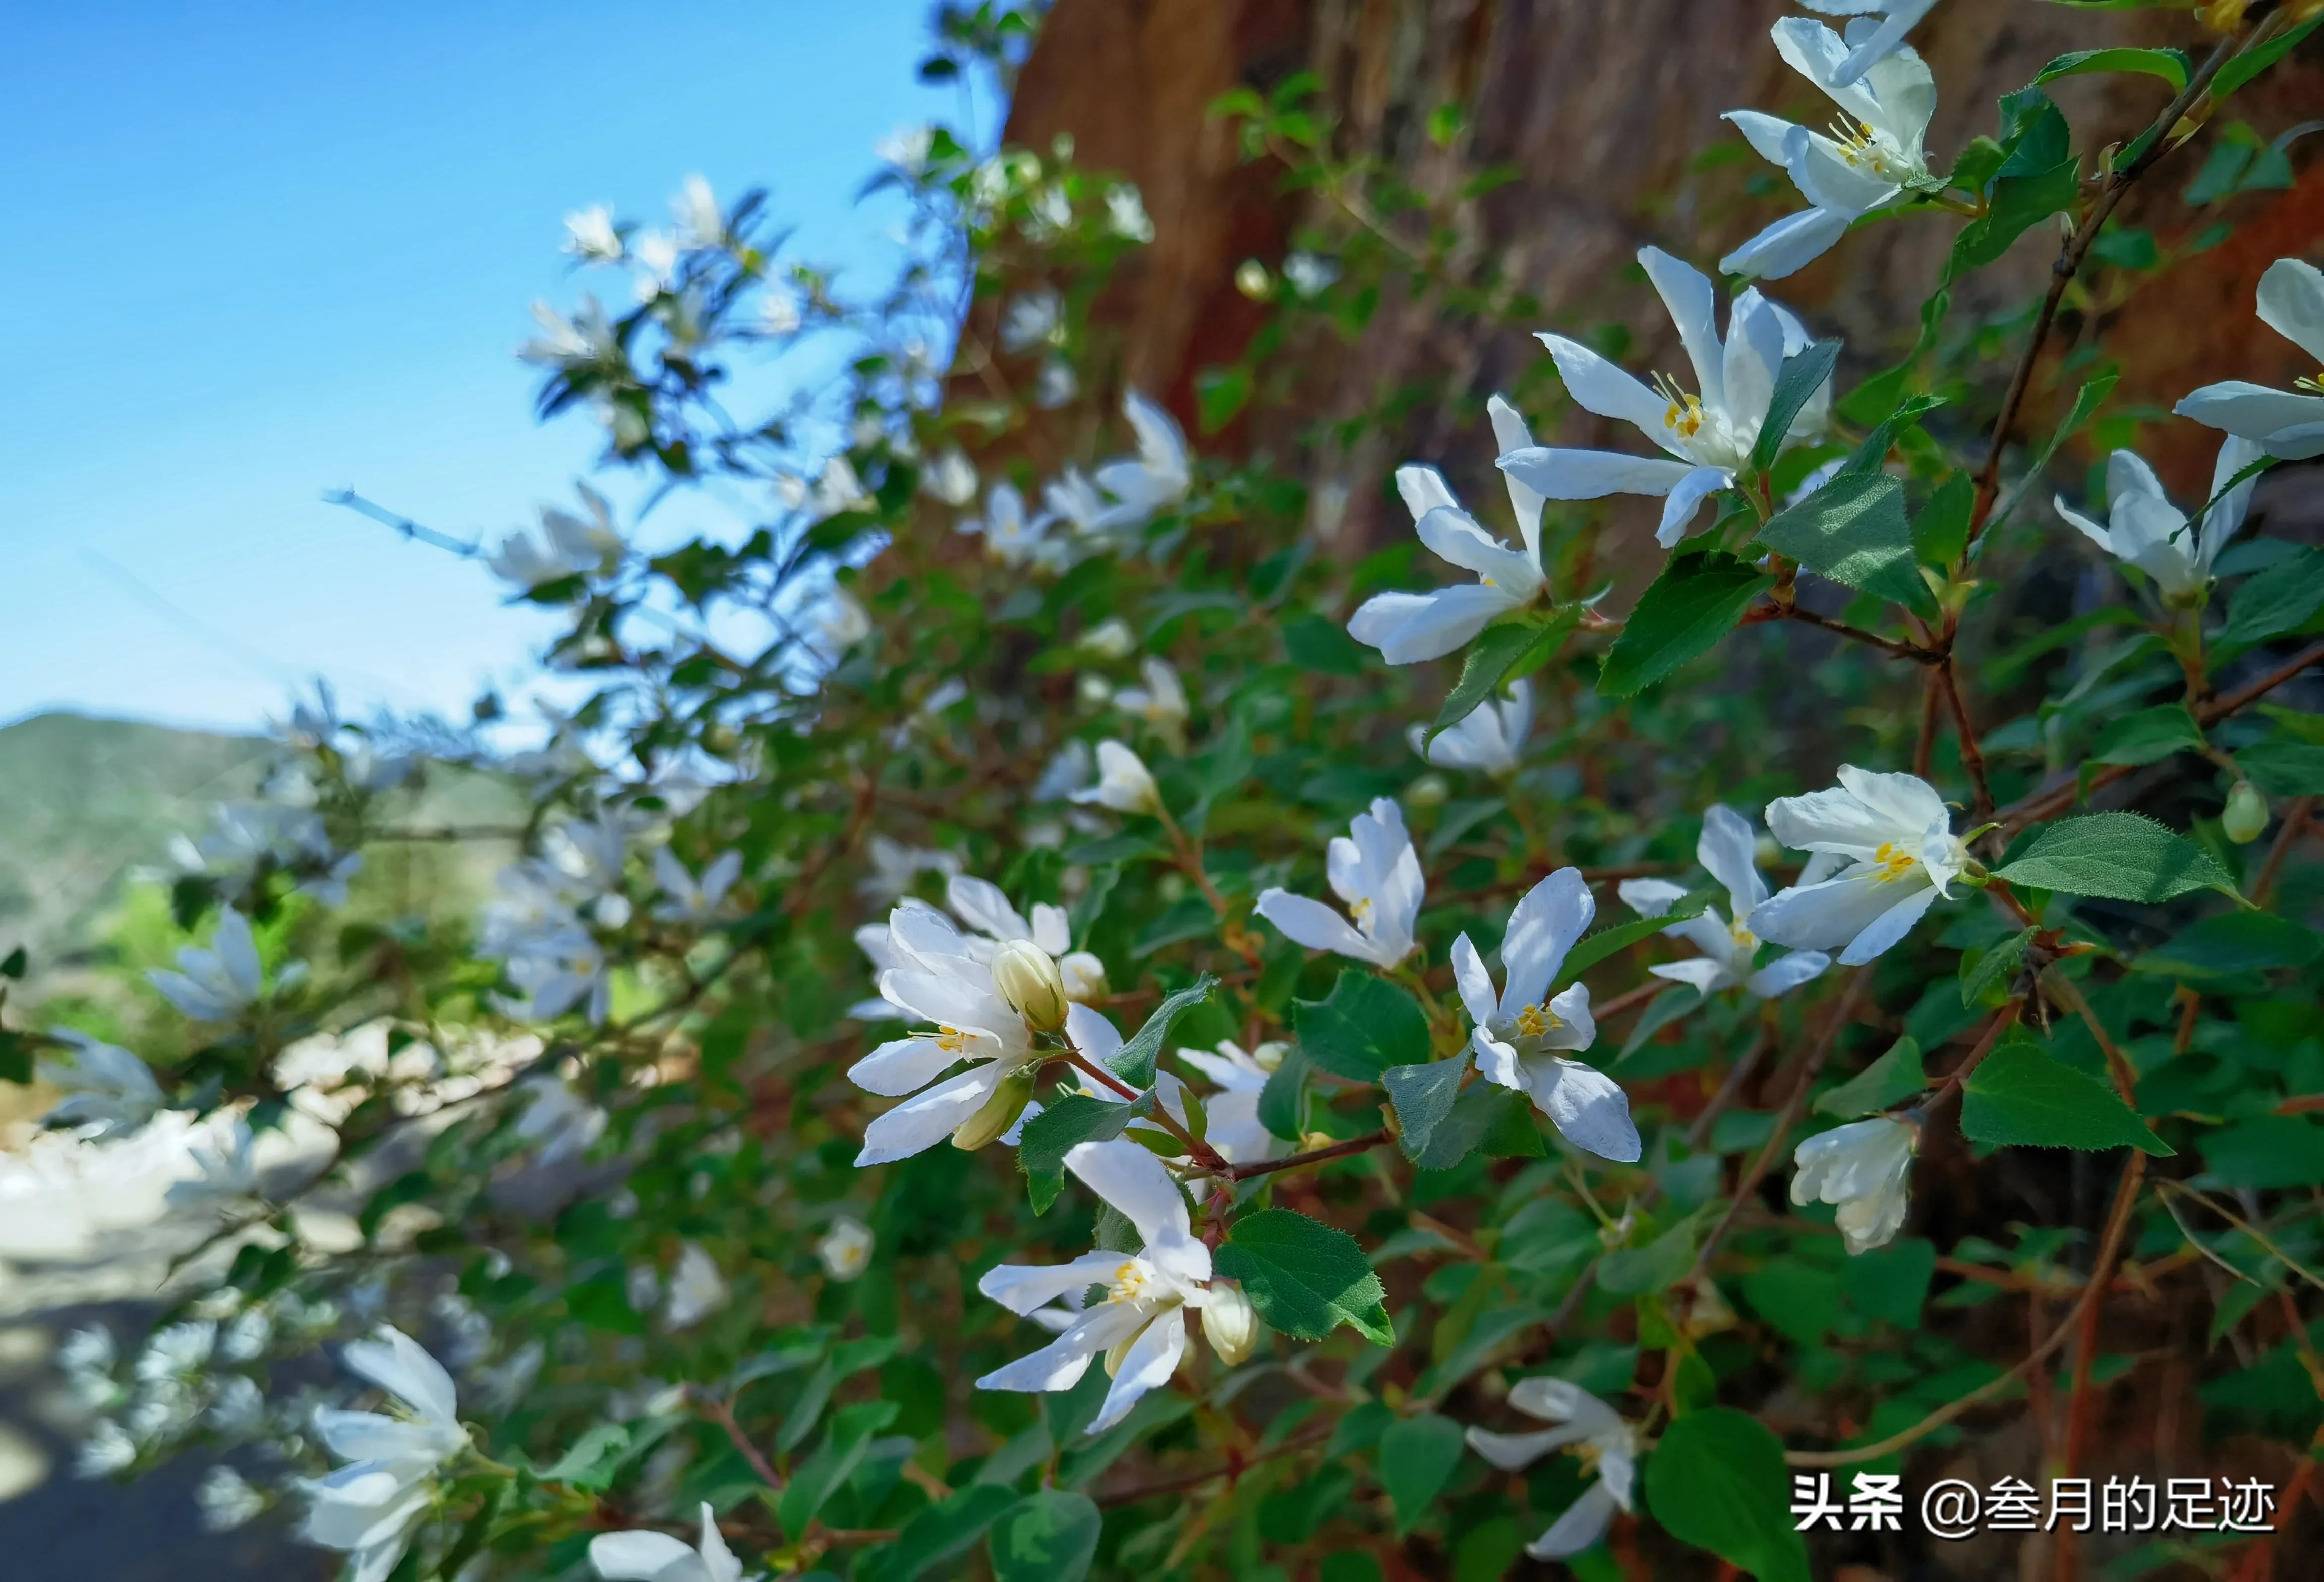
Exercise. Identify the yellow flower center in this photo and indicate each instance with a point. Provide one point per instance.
(952, 1040)
(1129, 1284)
(1745, 939)
(1893, 862)
(1536, 1020)
(1684, 416)
(2310, 382)
(1360, 909)
(1858, 146)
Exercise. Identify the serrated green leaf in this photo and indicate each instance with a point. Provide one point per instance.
(591, 1462)
(2148, 735)
(1278, 1101)
(2020, 1096)
(1424, 1096)
(1495, 648)
(1717, 1481)
(1305, 1278)
(1854, 531)
(834, 1462)
(1885, 1084)
(2118, 856)
(2284, 599)
(1994, 967)
(1499, 1120)
(1697, 600)
(1657, 1266)
(1064, 1125)
(1051, 1536)
(2234, 942)
(1366, 1025)
(2170, 65)
(2267, 1152)
(1134, 1061)
(1796, 381)
(1867, 456)
(2283, 766)
(1941, 531)
(1416, 1455)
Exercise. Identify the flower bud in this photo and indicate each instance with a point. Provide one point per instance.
(998, 1115)
(2246, 819)
(1230, 1323)
(1084, 976)
(1029, 981)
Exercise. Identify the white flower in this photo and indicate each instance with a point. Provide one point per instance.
(559, 1122)
(1489, 740)
(108, 1449)
(1031, 319)
(1583, 1420)
(894, 868)
(567, 544)
(1160, 703)
(1236, 1130)
(1889, 839)
(1409, 627)
(1519, 1031)
(2145, 530)
(982, 906)
(845, 1248)
(1708, 436)
(951, 477)
(1311, 274)
(2286, 424)
(217, 985)
(1057, 385)
(589, 235)
(1878, 156)
(1156, 478)
(238, 1410)
(696, 1288)
(370, 1506)
(1729, 848)
(225, 1170)
(1898, 17)
(692, 900)
(107, 1089)
(183, 1347)
(1123, 783)
(1010, 537)
(941, 976)
(1072, 499)
(1862, 1167)
(657, 1557)
(907, 148)
(227, 1500)
(1375, 874)
(1139, 1327)
(586, 337)
(554, 971)
(700, 221)
(1125, 211)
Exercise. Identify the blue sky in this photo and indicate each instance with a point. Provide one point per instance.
(261, 250)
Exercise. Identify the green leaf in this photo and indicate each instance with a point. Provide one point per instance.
(2170, 65)
(1487, 1115)
(942, 1531)
(1869, 456)
(1424, 1096)
(1051, 1536)
(1547, 639)
(1416, 1455)
(1993, 969)
(1717, 1481)
(1315, 643)
(2021, 1097)
(2284, 599)
(2252, 63)
(1593, 949)
(2148, 735)
(1219, 396)
(1697, 600)
(2282, 766)
(1278, 1101)
(832, 1464)
(1304, 1277)
(1495, 649)
(2091, 396)
(1657, 1266)
(2118, 856)
(1366, 1025)
(2234, 942)
(593, 1460)
(1892, 1282)
(1885, 1084)
(1061, 1126)
(1134, 1061)
(2266, 1152)
(1854, 531)
(1802, 373)
(1941, 531)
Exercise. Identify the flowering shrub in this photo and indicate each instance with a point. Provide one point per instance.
(1028, 1023)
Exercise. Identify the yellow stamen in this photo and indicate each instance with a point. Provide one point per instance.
(1129, 1284)
(1893, 862)
(1536, 1020)
(952, 1040)
(1684, 416)
(1745, 939)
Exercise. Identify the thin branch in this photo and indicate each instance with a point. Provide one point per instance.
(1234, 1468)
(1887, 645)
(719, 1412)
(1972, 755)
(1268, 1167)
(2295, 824)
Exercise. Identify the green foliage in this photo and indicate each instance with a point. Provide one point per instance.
(1854, 531)
(1885, 1084)
(2122, 856)
(2020, 1095)
(1417, 1456)
(1306, 1278)
(1366, 1025)
(1717, 1481)
(1699, 597)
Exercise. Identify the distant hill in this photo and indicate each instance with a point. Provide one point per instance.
(85, 801)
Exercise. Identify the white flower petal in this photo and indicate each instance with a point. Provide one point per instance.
(1591, 474)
